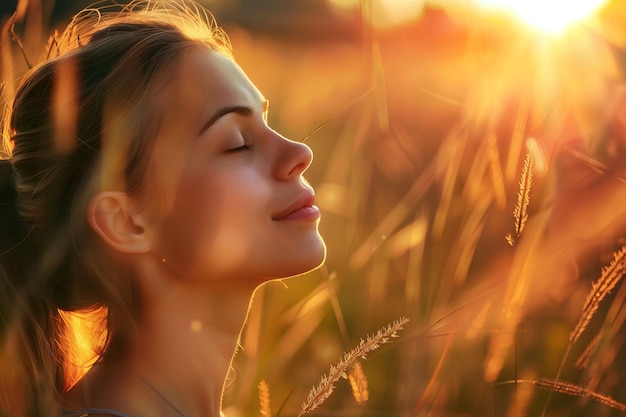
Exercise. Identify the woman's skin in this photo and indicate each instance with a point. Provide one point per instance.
(225, 208)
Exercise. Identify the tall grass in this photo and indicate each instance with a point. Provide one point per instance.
(417, 208)
(422, 136)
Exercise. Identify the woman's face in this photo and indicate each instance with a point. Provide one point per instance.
(231, 202)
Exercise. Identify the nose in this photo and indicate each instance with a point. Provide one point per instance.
(293, 159)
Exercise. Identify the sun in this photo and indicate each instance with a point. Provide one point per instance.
(552, 16)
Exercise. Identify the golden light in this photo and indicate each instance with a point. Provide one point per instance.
(551, 16)
(344, 4)
(390, 13)
(384, 13)
(84, 338)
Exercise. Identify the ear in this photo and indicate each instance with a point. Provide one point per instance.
(115, 218)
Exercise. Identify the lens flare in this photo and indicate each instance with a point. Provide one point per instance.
(549, 16)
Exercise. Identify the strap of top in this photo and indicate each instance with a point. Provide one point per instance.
(93, 411)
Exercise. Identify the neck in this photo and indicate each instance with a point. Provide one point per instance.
(186, 340)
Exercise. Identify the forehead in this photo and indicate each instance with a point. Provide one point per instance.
(209, 80)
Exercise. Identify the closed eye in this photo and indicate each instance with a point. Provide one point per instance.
(241, 148)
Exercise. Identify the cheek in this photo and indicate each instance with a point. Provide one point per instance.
(178, 237)
(210, 229)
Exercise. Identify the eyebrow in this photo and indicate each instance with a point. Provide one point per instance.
(242, 110)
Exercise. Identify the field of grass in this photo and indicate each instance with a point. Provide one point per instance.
(471, 175)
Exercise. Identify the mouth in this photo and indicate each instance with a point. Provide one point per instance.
(302, 208)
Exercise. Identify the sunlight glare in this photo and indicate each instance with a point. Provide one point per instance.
(549, 16)
(385, 13)
(390, 13)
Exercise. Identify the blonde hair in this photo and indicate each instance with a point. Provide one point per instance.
(83, 121)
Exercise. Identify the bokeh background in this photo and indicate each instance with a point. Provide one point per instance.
(421, 115)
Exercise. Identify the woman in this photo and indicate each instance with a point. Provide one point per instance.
(144, 184)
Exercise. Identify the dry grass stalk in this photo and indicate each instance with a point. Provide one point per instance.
(495, 169)
(338, 113)
(592, 163)
(324, 389)
(264, 399)
(358, 383)
(454, 155)
(608, 280)
(523, 196)
(585, 357)
(53, 44)
(380, 90)
(434, 377)
(578, 391)
(521, 401)
(15, 38)
(517, 138)
(479, 321)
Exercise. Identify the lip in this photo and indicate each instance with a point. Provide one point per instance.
(302, 208)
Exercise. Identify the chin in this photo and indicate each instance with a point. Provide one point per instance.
(317, 254)
(303, 261)
(314, 261)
